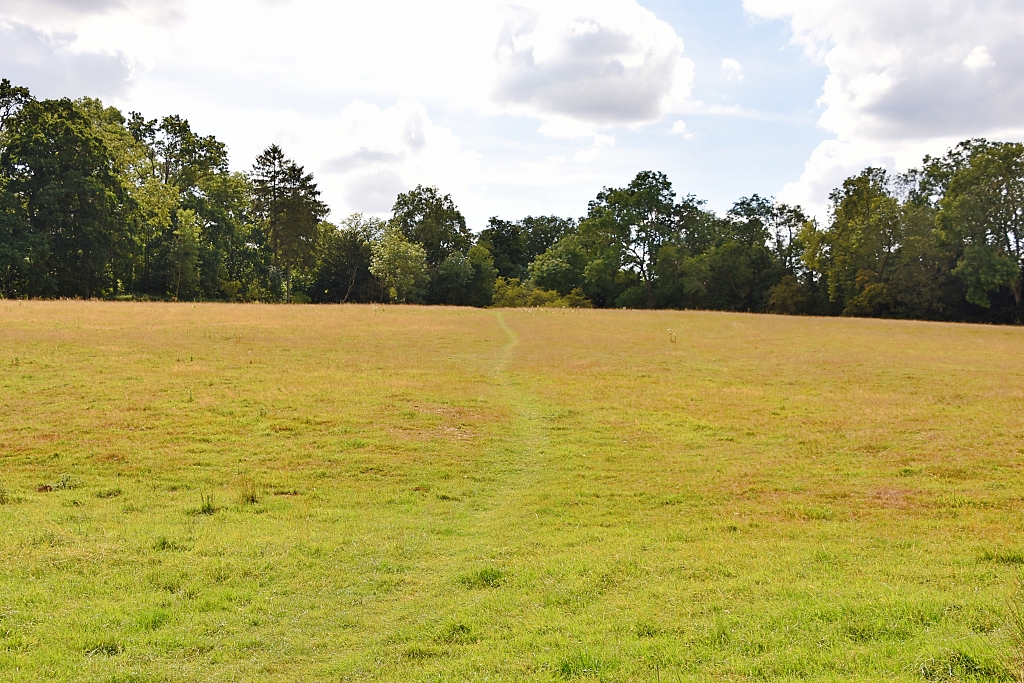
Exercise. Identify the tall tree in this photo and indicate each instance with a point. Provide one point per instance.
(514, 245)
(287, 202)
(185, 255)
(541, 233)
(400, 267)
(858, 251)
(983, 208)
(345, 253)
(12, 99)
(22, 249)
(506, 241)
(631, 224)
(61, 173)
(431, 219)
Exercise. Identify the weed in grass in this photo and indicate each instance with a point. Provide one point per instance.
(812, 513)
(1003, 557)
(4, 498)
(66, 482)
(1015, 627)
(457, 634)
(153, 619)
(206, 505)
(957, 665)
(488, 577)
(419, 653)
(646, 629)
(162, 544)
(580, 664)
(130, 677)
(109, 493)
(249, 494)
(103, 648)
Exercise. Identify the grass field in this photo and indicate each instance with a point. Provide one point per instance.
(300, 493)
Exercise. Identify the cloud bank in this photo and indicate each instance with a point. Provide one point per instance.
(905, 79)
(594, 62)
(54, 68)
(303, 73)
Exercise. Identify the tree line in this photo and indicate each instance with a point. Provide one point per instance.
(96, 204)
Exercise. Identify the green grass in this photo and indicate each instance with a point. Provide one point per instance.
(297, 493)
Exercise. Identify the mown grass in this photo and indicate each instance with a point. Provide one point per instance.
(216, 492)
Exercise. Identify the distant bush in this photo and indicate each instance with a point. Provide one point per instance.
(513, 293)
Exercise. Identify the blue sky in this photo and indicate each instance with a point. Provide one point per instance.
(531, 107)
(730, 155)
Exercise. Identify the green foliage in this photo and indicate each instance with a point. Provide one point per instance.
(58, 171)
(344, 255)
(488, 577)
(512, 293)
(94, 203)
(184, 255)
(400, 267)
(628, 226)
(506, 241)
(287, 203)
(515, 245)
(983, 209)
(563, 267)
(428, 218)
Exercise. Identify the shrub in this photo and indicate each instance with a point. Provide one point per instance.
(512, 293)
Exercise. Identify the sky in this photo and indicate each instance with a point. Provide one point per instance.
(531, 107)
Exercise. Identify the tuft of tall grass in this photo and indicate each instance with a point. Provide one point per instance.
(1015, 651)
(4, 498)
(249, 494)
(488, 577)
(206, 505)
(66, 483)
(958, 665)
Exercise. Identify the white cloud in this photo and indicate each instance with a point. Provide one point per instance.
(979, 58)
(732, 70)
(601, 143)
(376, 153)
(905, 78)
(51, 62)
(679, 128)
(597, 61)
(374, 193)
(303, 72)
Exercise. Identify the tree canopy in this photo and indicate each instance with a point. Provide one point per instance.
(95, 203)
